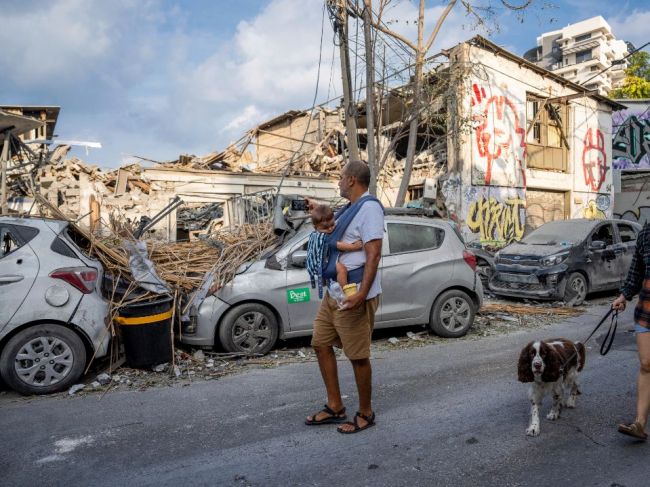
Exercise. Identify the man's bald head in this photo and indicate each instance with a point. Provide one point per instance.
(358, 170)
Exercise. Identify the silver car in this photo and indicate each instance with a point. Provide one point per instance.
(427, 276)
(52, 314)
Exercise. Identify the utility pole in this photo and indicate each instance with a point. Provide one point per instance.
(370, 96)
(4, 159)
(341, 27)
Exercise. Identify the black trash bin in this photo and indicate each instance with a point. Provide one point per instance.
(146, 332)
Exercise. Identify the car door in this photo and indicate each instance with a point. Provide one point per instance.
(302, 301)
(627, 243)
(414, 257)
(603, 263)
(18, 269)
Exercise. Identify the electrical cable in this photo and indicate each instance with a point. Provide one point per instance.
(311, 113)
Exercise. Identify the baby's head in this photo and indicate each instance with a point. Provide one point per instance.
(323, 219)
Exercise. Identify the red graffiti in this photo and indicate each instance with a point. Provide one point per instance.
(498, 131)
(594, 159)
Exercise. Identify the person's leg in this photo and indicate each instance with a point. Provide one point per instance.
(357, 338)
(341, 274)
(643, 381)
(330, 374)
(323, 338)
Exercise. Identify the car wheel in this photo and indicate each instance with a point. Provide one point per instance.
(452, 314)
(576, 288)
(249, 328)
(43, 359)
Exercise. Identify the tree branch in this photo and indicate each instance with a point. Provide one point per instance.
(441, 20)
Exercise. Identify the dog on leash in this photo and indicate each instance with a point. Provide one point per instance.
(551, 366)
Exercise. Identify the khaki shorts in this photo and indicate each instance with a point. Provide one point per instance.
(350, 329)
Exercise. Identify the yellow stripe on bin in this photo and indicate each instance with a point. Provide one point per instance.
(143, 320)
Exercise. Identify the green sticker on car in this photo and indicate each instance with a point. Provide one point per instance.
(300, 295)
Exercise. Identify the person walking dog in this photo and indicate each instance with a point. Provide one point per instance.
(350, 326)
(638, 282)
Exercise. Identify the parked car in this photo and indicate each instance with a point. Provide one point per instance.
(566, 259)
(52, 313)
(427, 276)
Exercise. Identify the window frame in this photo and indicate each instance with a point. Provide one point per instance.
(632, 229)
(440, 231)
(598, 229)
(545, 129)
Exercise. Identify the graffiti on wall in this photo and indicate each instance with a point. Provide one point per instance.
(496, 219)
(631, 144)
(500, 137)
(640, 215)
(594, 159)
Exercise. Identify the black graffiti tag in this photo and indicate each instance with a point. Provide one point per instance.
(632, 140)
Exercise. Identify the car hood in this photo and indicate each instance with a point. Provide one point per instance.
(535, 251)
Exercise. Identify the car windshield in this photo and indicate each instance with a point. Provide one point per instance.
(565, 232)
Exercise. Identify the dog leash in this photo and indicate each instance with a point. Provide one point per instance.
(609, 336)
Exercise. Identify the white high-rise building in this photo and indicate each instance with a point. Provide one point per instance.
(580, 51)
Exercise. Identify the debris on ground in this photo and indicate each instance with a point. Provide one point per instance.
(76, 388)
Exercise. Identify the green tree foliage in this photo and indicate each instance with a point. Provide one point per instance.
(637, 78)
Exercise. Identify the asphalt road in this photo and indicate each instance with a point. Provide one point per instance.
(450, 414)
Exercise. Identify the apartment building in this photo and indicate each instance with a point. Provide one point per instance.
(580, 52)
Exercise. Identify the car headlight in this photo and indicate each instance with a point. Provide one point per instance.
(554, 259)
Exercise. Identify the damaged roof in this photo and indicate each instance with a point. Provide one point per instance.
(483, 43)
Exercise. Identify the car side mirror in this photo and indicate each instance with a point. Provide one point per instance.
(597, 245)
(299, 258)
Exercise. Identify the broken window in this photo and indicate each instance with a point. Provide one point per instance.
(605, 233)
(547, 126)
(12, 238)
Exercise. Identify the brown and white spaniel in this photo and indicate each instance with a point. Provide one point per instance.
(552, 366)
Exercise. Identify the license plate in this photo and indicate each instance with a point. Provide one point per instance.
(525, 278)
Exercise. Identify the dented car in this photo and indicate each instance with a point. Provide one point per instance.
(53, 318)
(427, 274)
(566, 260)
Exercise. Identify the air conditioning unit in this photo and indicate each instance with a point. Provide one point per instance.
(430, 189)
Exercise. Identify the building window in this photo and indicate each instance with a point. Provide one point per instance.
(547, 137)
(583, 56)
(583, 37)
(594, 68)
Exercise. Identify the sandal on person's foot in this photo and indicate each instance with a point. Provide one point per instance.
(370, 421)
(633, 429)
(334, 417)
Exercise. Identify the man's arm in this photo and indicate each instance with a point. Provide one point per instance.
(636, 273)
(373, 257)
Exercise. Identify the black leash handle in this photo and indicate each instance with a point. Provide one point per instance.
(613, 325)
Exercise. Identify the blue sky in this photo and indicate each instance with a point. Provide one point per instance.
(157, 78)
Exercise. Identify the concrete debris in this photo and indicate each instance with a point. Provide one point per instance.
(301, 354)
(393, 341)
(414, 336)
(198, 355)
(95, 385)
(76, 388)
(103, 379)
(160, 367)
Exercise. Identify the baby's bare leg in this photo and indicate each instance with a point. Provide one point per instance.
(341, 274)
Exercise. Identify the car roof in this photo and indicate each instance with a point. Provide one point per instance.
(39, 223)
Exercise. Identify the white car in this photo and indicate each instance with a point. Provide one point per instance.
(53, 318)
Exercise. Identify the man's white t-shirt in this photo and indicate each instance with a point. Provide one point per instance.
(367, 225)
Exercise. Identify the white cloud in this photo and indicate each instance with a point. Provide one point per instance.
(632, 27)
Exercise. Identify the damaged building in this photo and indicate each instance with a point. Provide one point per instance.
(502, 147)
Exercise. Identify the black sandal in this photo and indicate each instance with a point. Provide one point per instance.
(370, 421)
(335, 417)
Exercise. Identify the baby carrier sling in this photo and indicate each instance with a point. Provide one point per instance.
(343, 219)
(322, 252)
